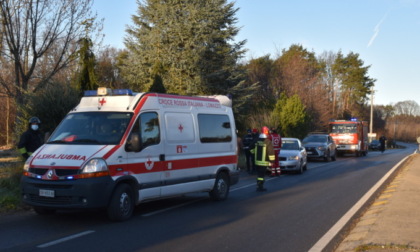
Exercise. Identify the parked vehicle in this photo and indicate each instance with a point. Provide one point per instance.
(292, 156)
(351, 136)
(320, 145)
(375, 145)
(118, 148)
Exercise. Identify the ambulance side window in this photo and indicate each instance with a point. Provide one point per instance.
(149, 129)
(214, 128)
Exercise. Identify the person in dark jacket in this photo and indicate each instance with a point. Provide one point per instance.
(248, 144)
(31, 139)
(382, 140)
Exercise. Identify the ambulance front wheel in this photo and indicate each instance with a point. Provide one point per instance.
(221, 187)
(121, 206)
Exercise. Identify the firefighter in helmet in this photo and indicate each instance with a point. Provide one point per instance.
(263, 157)
(31, 139)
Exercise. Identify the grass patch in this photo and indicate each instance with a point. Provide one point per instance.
(10, 174)
(385, 247)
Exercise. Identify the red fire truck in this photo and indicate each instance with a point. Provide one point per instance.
(350, 136)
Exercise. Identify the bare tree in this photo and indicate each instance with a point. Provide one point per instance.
(327, 58)
(410, 108)
(107, 72)
(35, 31)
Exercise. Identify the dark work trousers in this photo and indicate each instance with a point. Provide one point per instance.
(249, 157)
(261, 170)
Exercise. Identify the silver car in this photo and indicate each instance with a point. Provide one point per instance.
(320, 146)
(292, 156)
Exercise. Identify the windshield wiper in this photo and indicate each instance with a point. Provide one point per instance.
(86, 140)
(58, 141)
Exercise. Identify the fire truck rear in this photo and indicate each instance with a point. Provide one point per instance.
(350, 136)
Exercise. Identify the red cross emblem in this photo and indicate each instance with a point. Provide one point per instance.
(102, 101)
(180, 128)
(149, 164)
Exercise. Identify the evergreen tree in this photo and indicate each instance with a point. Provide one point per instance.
(355, 83)
(292, 116)
(86, 79)
(192, 42)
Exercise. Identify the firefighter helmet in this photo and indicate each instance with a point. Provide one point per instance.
(34, 119)
(262, 135)
(265, 130)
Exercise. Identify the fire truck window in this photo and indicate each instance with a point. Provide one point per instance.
(344, 128)
(149, 129)
(214, 128)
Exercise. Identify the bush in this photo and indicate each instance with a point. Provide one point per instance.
(50, 105)
(10, 187)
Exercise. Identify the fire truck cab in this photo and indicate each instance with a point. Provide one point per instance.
(118, 148)
(350, 136)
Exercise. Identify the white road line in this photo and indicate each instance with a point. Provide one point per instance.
(48, 244)
(194, 201)
(327, 238)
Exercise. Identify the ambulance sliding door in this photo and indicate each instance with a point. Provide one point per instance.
(180, 171)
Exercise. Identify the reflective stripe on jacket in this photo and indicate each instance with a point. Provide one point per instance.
(263, 152)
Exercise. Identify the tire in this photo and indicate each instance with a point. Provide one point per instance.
(327, 158)
(44, 211)
(334, 158)
(300, 171)
(221, 187)
(121, 206)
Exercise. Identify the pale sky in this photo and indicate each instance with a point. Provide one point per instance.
(385, 34)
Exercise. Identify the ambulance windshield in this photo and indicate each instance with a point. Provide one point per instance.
(97, 128)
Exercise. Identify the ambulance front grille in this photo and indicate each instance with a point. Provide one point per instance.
(38, 171)
(61, 200)
(58, 172)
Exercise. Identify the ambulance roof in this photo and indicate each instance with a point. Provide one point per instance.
(125, 100)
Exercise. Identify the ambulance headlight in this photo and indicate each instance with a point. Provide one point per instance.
(26, 165)
(95, 165)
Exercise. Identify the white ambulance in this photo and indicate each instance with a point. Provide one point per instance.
(117, 148)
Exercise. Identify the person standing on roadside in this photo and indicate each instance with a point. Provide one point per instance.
(255, 136)
(31, 139)
(276, 140)
(248, 144)
(382, 141)
(264, 156)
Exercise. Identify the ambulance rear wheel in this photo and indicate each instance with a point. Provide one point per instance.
(221, 187)
(121, 206)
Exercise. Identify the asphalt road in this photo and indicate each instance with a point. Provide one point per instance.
(295, 212)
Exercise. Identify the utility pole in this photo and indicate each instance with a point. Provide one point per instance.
(371, 112)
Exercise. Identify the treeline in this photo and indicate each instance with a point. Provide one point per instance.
(49, 56)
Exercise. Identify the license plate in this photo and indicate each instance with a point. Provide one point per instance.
(309, 152)
(46, 193)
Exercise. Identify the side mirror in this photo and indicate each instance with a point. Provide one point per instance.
(133, 143)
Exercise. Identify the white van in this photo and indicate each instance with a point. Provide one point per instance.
(117, 149)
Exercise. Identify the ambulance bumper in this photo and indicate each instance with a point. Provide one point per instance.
(75, 194)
